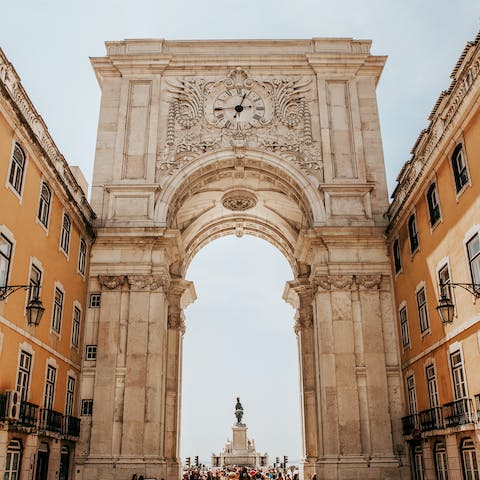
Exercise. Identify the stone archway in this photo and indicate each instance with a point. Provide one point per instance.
(304, 172)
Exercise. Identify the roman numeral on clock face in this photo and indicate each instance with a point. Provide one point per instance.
(257, 116)
(219, 116)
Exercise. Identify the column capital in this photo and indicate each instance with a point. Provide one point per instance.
(180, 294)
(112, 282)
(147, 282)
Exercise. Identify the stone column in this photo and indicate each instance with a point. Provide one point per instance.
(304, 328)
(339, 383)
(103, 417)
(173, 381)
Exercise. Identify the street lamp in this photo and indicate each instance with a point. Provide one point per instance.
(34, 307)
(445, 307)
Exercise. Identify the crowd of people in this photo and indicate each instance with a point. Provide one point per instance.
(232, 472)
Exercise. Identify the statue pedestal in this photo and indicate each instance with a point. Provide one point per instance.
(239, 438)
(240, 451)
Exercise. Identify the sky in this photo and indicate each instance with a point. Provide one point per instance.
(239, 338)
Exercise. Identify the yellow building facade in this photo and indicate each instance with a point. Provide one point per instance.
(45, 237)
(434, 235)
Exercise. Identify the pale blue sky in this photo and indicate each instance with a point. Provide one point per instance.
(49, 42)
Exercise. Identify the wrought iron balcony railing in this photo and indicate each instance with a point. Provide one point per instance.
(50, 420)
(3, 406)
(71, 426)
(459, 412)
(28, 414)
(431, 419)
(410, 423)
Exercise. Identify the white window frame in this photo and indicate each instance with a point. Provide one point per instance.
(91, 302)
(44, 206)
(70, 394)
(458, 367)
(91, 352)
(10, 186)
(469, 459)
(475, 257)
(65, 236)
(460, 143)
(58, 286)
(432, 385)
(437, 199)
(76, 327)
(50, 386)
(411, 394)
(396, 240)
(24, 374)
(441, 460)
(82, 258)
(418, 463)
(404, 326)
(421, 286)
(413, 251)
(13, 457)
(6, 260)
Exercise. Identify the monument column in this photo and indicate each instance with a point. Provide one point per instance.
(304, 329)
(177, 300)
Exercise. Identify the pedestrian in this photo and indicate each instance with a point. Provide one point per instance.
(134, 476)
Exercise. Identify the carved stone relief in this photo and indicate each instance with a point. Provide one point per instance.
(282, 124)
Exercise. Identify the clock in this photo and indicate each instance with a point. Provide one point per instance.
(239, 107)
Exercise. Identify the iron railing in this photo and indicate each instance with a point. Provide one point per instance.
(459, 412)
(431, 419)
(50, 420)
(410, 423)
(71, 426)
(28, 414)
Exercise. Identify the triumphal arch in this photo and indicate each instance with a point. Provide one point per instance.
(278, 139)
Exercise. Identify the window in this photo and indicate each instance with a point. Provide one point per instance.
(65, 235)
(441, 465)
(35, 280)
(422, 310)
(95, 300)
(23, 376)
(12, 464)
(17, 168)
(460, 172)
(49, 387)
(419, 473)
(87, 407)
(44, 204)
(5, 259)
(473, 249)
(404, 327)
(397, 259)
(82, 256)
(432, 386)
(76, 326)
(412, 396)
(70, 396)
(444, 282)
(469, 460)
(477, 406)
(433, 204)
(57, 311)
(458, 375)
(412, 233)
(90, 352)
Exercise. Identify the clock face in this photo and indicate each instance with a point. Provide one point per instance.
(239, 108)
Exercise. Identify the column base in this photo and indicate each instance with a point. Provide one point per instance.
(355, 468)
(123, 468)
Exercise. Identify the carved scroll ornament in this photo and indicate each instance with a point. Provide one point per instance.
(348, 282)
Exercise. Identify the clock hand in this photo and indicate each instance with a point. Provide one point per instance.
(244, 95)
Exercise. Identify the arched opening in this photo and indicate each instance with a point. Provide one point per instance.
(240, 342)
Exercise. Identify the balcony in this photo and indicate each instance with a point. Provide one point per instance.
(28, 414)
(50, 421)
(431, 419)
(71, 426)
(459, 412)
(410, 423)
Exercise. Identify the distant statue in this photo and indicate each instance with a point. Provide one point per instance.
(239, 411)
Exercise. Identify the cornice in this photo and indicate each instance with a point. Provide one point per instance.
(451, 105)
(12, 89)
